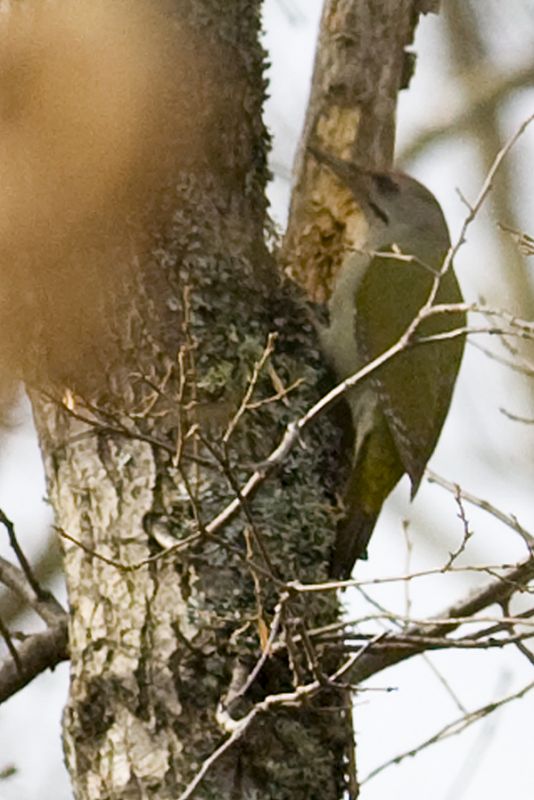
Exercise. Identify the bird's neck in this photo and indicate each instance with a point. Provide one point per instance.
(339, 339)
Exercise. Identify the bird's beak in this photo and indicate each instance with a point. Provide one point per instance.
(355, 177)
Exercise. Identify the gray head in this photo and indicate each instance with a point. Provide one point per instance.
(398, 208)
(404, 211)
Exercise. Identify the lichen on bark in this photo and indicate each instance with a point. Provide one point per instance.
(136, 459)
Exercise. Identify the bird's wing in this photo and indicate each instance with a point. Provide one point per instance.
(415, 387)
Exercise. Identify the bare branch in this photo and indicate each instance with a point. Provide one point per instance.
(393, 641)
(529, 655)
(444, 682)
(6, 635)
(256, 372)
(40, 651)
(47, 607)
(24, 564)
(467, 530)
(495, 592)
(522, 239)
(239, 727)
(508, 520)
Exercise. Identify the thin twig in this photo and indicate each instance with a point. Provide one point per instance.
(168, 551)
(524, 367)
(464, 611)
(393, 641)
(295, 429)
(452, 729)
(40, 651)
(516, 417)
(529, 655)
(266, 652)
(223, 459)
(254, 378)
(508, 519)
(468, 533)
(271, 701)
(6, 635)
(293, 432)
(48, 608)
(444, 682)
(40, 593)
(407, 567)
(522, 239)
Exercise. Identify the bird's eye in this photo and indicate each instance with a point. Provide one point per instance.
(386, 184)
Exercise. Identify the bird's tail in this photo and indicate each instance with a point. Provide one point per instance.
(351, 543)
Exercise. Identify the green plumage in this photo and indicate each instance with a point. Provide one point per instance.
(397, 414)
(415, 387)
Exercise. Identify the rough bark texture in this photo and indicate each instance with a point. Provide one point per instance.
(361, 65)
(135, 460)
(132, 431)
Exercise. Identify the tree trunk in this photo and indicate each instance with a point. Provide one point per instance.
(362, 63)
(166, 357)
(137, 460)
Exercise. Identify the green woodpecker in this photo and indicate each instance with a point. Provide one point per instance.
(396, 414)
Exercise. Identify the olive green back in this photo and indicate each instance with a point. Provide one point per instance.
(415, 387)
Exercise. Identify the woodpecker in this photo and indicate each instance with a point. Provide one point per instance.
(397, 414)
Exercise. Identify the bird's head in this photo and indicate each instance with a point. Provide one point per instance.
(398, 208)
(402, 209)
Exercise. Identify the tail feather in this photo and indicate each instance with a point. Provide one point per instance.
(351, 543)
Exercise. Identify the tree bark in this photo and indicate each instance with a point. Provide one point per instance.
(152, 411)
(136, 460)
(362, 63)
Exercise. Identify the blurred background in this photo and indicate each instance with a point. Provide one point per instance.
(473, 86)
